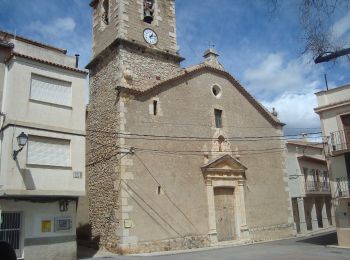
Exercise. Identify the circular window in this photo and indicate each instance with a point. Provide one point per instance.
(216, 91)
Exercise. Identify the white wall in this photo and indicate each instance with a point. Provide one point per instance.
(31, 179)
(333, 96)
(19, 107)
(41, 119)
(34, 213)
(31, 216)
(44, 54)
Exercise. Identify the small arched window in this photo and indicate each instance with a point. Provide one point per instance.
(155, 107)
(148, 11)
(105, 12)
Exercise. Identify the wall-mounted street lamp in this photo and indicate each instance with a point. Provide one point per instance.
(22, 140)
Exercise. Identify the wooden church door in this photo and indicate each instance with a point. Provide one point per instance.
(224, 213)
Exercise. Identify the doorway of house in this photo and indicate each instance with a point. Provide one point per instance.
(225, 213)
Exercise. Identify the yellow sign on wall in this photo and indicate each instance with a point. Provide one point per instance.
(45, 226)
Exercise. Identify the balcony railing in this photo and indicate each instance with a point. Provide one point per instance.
(340, 140)
(343, 187)
(317, 186)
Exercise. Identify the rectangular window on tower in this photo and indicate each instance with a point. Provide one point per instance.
(155, 107)
(218, 118)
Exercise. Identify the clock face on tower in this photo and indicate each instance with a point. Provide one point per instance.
(150, 36)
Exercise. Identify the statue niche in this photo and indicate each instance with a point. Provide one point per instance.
(148, 11)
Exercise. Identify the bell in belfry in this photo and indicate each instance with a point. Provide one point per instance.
(148, 11)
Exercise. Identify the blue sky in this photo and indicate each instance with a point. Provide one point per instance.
(262, 51)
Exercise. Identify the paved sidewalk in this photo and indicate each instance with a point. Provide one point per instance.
(310, 248)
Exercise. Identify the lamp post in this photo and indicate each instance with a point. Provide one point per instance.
(22, 140)
(327, 56)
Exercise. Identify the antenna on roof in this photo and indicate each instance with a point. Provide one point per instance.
(14, 35)
(325, 78)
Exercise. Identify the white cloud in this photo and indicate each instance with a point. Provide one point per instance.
(296, 111)
(342, 26)
(289, 87)
(274, 76)
(56, 28)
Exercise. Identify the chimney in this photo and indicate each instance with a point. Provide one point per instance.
(211, 58)
(77, 60)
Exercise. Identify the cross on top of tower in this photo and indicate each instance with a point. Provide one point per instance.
(211, 45)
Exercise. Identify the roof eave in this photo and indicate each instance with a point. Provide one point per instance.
(240, 88)
(15, 54)
(36, 43)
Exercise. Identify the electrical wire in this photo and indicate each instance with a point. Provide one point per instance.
(226, 126)
(169, 137)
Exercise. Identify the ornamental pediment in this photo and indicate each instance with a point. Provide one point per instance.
(225, 163)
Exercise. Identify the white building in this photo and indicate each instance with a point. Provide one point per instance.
(309, 185)
(334, 111)
(42, 95)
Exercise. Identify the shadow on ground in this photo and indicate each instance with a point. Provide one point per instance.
(86, 252)
(322, 240)
(87, 247)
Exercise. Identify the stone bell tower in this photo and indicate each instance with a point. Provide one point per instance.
(142, 32)
(134, 44)
(113, 19)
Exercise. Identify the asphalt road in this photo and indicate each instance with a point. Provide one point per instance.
(311, 248)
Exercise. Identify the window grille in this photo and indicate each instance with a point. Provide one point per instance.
(10, 230)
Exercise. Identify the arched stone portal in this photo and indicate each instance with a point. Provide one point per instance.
(225, 180)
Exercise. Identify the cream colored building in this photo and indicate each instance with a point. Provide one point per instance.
(42, 95)
(309, 186)
(176, 157)
(334, 111)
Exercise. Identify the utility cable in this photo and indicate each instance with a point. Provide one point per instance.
(127, 135)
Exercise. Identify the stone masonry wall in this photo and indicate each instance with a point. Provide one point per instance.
(126, 22)
(186, 108)
(105, 158)
(102, 150)
(145, 67)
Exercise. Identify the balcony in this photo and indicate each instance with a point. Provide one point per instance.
(343, 187)
(317, 187)
(340, 141)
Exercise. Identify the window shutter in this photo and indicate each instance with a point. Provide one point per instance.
(51, 91)
(48, 151)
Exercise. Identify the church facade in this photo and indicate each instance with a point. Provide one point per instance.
(176, 157)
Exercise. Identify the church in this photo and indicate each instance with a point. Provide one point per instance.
(176, 157)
